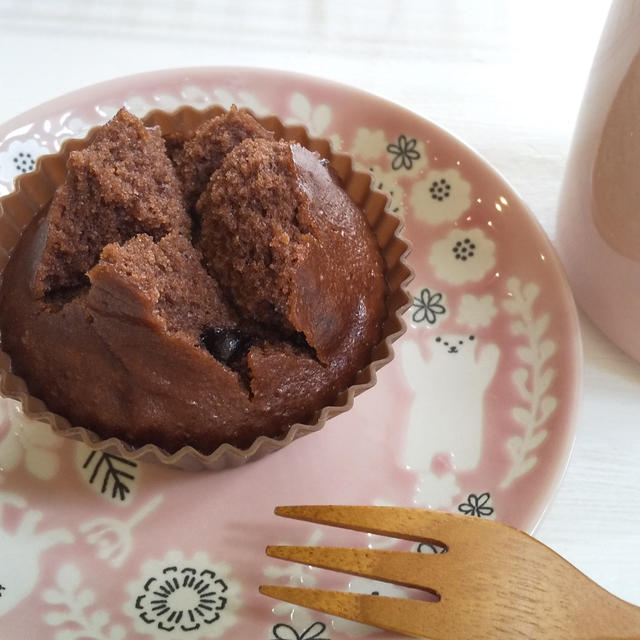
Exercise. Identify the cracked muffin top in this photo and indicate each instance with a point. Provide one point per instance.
(205, 289)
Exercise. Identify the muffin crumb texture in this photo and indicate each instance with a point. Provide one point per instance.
(194, 289)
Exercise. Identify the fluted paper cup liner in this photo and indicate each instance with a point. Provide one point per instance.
(33, 193)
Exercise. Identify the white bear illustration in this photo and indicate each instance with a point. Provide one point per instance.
(446, 417)
(20, 552)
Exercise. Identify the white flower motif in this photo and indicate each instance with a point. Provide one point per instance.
(316, 119)
(436, 491)
(476, 311)
(175, 598)
(478, 506)
(368, 144)
(403, 156)
(443, 196)
(225, 98)
(407, 155)
(31, 442)
(20, 157)
(311, 631)
(74, 128)
(105, 112)
(464, 255)
(194, 95)
(139, 105)
(167, 101)
(77, 127)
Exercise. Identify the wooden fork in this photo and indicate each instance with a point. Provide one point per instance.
(493, 581)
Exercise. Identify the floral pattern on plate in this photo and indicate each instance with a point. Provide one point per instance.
(179, 598)
(474, 415)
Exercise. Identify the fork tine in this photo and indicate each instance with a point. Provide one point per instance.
(407, 568)
(419, 525)
(402, 615)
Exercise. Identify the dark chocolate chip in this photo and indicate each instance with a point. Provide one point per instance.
(225, 344)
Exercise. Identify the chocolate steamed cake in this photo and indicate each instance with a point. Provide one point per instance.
(202, 153)
(123, 186)
(207, 290)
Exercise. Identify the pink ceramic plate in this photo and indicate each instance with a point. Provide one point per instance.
(475, 414)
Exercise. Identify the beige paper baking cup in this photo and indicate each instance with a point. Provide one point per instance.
(33, 193)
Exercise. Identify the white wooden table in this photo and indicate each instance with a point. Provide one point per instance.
(505, 76)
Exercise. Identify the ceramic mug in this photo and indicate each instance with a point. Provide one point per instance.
(599, 212)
